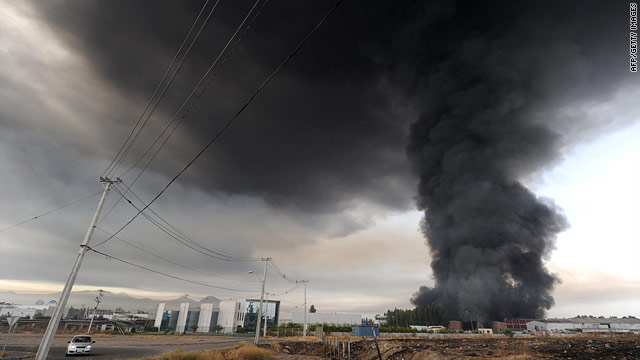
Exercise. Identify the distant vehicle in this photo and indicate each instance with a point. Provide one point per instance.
(80, 344)
(436, 328)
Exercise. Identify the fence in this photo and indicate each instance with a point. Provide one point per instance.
(336, 348)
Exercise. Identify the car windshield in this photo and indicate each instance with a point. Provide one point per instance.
(82, 339)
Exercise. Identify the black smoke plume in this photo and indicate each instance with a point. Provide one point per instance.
(485, 74)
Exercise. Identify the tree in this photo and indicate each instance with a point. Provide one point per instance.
(219, 327)
(312, 309)
(421, 315)
(194, 327)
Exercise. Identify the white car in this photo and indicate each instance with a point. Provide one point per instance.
(80, 344)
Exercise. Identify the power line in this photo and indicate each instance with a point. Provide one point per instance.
(279, 272)
(185, 241)
(51, 211)
(168, 84)
(109, 257)
(185, 236)
(175, 232)
(194, 101)
(201, 91)
(288, 291)
(228, 124)
(173, 262)
(123, 152)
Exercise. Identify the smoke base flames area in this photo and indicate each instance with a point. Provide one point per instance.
(571, 347)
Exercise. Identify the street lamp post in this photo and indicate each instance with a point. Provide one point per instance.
(304, 327)
(266, 313)
(264, 280)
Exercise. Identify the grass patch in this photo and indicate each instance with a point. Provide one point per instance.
(243, 351)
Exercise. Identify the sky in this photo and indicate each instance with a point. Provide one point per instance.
(320, 172)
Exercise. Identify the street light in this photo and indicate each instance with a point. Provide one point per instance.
(304, 327)
(263, 280)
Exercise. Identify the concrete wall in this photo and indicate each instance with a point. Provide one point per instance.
(159, 314)
(204, 320)
(297, 317)
(230, 316)
(182, 318)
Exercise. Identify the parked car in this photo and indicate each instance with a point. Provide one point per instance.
(80, 344)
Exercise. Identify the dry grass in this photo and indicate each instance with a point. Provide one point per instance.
(4, 353)
(243, 351)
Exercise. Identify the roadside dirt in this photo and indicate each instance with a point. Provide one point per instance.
(575, 347)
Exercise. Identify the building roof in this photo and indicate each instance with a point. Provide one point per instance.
(593, 320)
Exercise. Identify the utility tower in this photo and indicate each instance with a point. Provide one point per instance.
(47, 339)
(98, 299)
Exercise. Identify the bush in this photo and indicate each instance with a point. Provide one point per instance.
(243, 352)
(398, 329)
(508, 332)
(247, 352)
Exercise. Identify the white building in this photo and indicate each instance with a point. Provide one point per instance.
(574, 325)
(184, 318)
(231, 316)
(205, 317)
(297, 317)
(27, 311)
(380, 320)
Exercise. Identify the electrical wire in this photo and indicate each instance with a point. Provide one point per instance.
(279, 272)
(201, 91)
(115, 169)
(228, 124)
(125, 148)
(185, 236)
(208, 252)
(288, 291)
(194, 101)
(109, 257)
(176, 233)
(51, 211)
(173, 262)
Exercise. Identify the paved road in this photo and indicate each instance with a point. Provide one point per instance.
(137, 351)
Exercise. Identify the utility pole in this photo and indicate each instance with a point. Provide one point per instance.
(98, 300)
(266, 311)
(47, 339)
(304, 327)
(264, 280)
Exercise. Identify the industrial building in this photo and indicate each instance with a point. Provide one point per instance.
(205, 317)
(517, 324)
(297, 317)
(187, 317)
(585, 325)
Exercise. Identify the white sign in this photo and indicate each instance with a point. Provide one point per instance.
(12, 320)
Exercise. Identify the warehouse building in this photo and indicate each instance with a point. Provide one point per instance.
(297, 317)
(586, 325)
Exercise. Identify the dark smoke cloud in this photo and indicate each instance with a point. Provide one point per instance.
(323, 136)
(485, 74)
